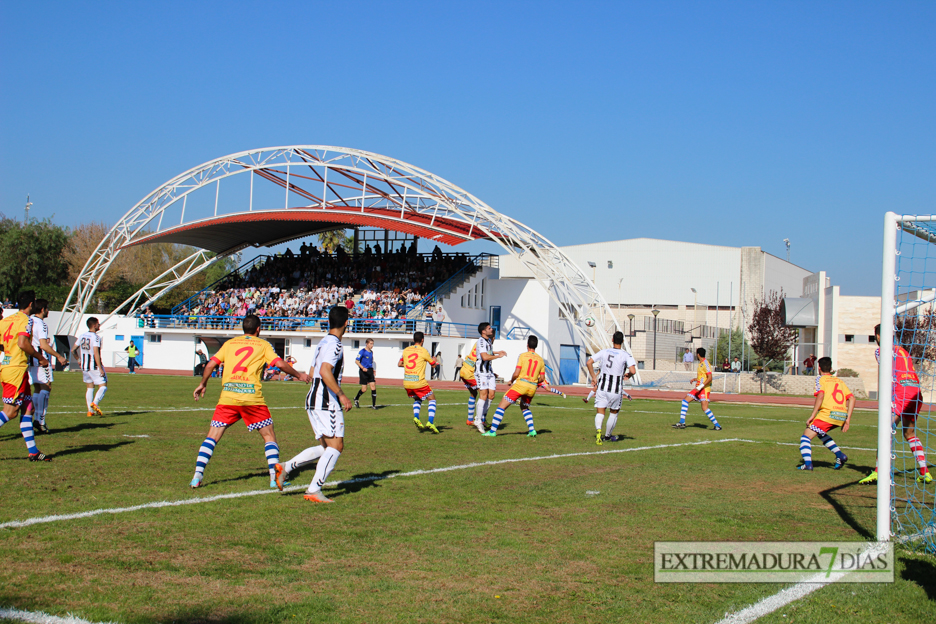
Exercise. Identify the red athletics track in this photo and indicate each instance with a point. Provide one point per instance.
(581, 391)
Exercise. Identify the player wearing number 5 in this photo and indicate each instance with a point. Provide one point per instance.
(833, 408)
(530, 372)
(244, 359)
(414, 361)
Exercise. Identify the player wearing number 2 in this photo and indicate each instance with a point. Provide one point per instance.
(833, 408)
(244, 358)
(530, 372)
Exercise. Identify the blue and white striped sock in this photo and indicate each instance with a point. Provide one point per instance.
(830, 444)
(498, 417)
(204, 455)
(528, 417)
(27, 430)
(271, 449)
(42, 405)
(471, 407)
(711, 417)
(682, 411)
(417, 407)
(805, 449)
(432, 406)
(4, 419)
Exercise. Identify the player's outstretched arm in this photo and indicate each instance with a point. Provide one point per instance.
(289, 370)
(25, 345)
(44, 345)
(590, 367)
(209, 368)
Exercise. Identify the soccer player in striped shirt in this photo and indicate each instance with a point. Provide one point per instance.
(617, 366)
(484, 372)
(905, 405)
(529, 373)
(833, 408)
(88, 351)
(703, 387)
(16, 336)
(414, 361)
(325, 406)
(41, 376)
(241, 398)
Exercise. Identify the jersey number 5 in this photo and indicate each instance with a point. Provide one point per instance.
(239, 366)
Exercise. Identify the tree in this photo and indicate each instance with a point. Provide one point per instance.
(32, 259)
(333, 239)
(917, 334)
(770, 338)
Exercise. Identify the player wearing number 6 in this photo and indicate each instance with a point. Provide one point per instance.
(241, 398)
(530, 372)
(833, 408)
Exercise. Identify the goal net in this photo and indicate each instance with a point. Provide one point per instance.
(905, 507)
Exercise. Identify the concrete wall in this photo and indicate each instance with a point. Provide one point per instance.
(748, 383)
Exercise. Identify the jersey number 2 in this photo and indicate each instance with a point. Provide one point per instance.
(239, 366)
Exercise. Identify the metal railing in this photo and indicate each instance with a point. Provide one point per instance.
(404, 327)
(457, 279)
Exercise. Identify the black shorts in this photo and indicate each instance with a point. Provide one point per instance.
(366, 376)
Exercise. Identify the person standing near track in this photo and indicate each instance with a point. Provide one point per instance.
(241, 396)
(366, 373)
(41, 376)
(16, 336)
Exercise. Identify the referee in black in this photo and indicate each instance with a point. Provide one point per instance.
(365, 362)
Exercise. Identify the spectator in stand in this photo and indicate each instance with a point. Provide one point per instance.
(438, 316)
(437, 369)
(809, 364)
(736, 365)
(726, 366)
(202, 362)
(459, 362)
(687, 359)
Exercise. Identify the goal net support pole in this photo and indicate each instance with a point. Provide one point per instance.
(885, 379)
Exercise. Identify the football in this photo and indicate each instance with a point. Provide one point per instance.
(590, 321)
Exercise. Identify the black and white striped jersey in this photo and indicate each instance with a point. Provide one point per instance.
(484, 346)
(86, 343)
(39, 331)
(613, 364)
(330, 351)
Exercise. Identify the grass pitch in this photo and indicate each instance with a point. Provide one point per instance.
(558, 539)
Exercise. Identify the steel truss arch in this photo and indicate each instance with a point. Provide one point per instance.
(337, 180)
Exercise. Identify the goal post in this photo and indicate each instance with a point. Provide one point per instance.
(905, 509)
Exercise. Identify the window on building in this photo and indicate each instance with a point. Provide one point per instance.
(155, 337)
(849, 338)
(405, 343)
(118, 337)
(356, 344)
(482, 293)
(871, 338)
(308, 343)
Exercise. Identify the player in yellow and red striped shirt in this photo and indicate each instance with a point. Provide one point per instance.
(529, 373)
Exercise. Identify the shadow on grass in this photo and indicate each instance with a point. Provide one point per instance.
(844, 513)
(360, 482)
(923, 573)
(250, 475)
(91, 448)
(85, 426)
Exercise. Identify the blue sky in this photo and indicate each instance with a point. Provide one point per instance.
(735, 123)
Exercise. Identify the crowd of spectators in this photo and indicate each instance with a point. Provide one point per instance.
(373, 285)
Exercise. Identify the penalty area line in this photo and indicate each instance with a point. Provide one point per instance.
(16, 524)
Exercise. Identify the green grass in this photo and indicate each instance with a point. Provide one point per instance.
(512, 542)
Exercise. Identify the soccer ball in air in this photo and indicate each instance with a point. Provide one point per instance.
(590, 321)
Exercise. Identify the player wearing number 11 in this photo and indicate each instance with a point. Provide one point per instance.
(833, 408)
(530, 372)
(244, 358)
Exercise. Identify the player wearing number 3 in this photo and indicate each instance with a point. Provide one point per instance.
(414, 361)
(833, 408)
(245, 358)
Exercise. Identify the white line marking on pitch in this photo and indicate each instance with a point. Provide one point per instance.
(790, 594)
(41, 618)
(15, 524)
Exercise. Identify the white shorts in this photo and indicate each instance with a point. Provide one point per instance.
(327, 424)
(609, 400)
(40, 374)
(486, 381)
(94, 377)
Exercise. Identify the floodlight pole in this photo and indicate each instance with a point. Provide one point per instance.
(655, 314)
(885, 379)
